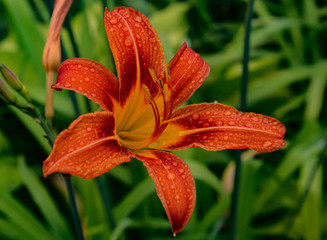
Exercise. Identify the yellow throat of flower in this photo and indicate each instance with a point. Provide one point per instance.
(142, 120)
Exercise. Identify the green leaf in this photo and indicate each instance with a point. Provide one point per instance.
(44, 202)
(20, 216)
(133, 199)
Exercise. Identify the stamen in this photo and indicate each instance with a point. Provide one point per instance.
(166, 92)
(153, 75)
(148, 96)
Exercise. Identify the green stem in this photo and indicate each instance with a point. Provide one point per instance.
(77, 221)
(243, 106)
(51, 138)
(106, 198)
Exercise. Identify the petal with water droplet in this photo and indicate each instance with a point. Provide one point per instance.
(136, 47)
(88, 148)
(174, 184)
(86, 77)
(223, 128)
(187, 72)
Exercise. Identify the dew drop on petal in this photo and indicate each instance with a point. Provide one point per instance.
(250, 125)
(177, 197)
(204, 137)
(73, 79)
(138, 19)
(80, 88)
(226, 138)
(87, 79)
(227, 113)
(171, 176)
(113, 20)
(267, 144)
(195, 116)
(210, 119)
(92, 70)
(68, 85)
(128, 41)
(181, 170)
(89, 129)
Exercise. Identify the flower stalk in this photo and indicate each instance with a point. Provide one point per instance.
(243, 107)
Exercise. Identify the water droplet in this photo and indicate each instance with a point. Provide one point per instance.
(210, 120)
(79, 65)
(155, 48)
(111, 29)
(73, 79)
(138, 19)
(206, 125)
(87, 79)
(137, 36)
(219, 123)
(190, 206)
(175, 163)
(68, 85)
(227, 113)
(93, 94)
(92, 70)
(226, 138)
(204, 137)
(231, 123)
(189, 61)
(89, 129)
(113, 21)
(181, 170)
(171, 176)
(80, 88)
(195, 116)
(120, 25)
(254, 119)
(177, 197)
(267, 144)
(250, 125)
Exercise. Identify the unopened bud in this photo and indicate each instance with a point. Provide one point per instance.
(6, 93)
(9, 97)
(14, 82)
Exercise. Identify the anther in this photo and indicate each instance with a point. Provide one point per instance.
(166, 92)
(148, 96)
(153, 75)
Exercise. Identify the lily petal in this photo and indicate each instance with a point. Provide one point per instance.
(89, 78)
(174, 184)
(187, 72)
(136, 47)
(215, 126)
(88, 148)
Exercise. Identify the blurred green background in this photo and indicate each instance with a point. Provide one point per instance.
(282, 194)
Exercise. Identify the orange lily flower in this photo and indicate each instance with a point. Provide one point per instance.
(141, 118)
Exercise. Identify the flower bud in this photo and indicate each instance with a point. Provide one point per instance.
(9, 97)
(14, 82)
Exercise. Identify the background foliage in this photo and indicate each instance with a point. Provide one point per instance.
(282, 195)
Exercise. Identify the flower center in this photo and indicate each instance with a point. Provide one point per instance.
(141, 135)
